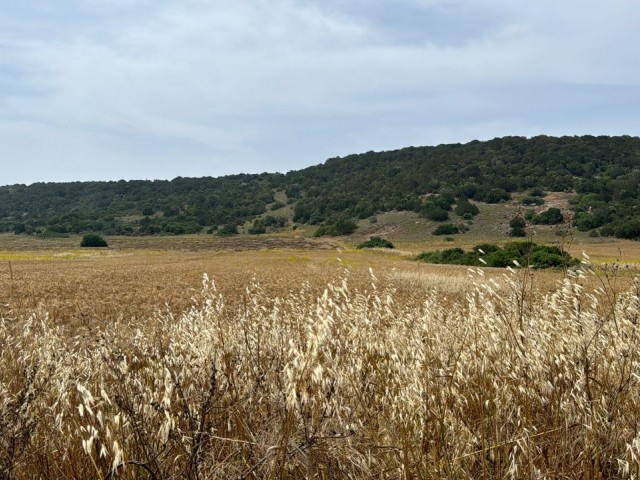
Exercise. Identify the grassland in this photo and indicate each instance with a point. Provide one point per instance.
(303, 358)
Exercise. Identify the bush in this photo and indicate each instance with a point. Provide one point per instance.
(584, 221)
(436, 214)
(451, 256)
(341, 227)
(552, 216)
(376, 242)
(465, 207)
(93, 240)
(629, 229)
(446, 229)
(517, 225)
(228, 230)
(532, 201)
(525, 253)
(518, 222)
(496, 195)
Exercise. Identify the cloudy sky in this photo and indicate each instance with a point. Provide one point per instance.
(124, 89)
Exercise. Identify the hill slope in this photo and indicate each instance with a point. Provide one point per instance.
(603, 171)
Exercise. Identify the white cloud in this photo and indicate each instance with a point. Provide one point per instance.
(232, 79)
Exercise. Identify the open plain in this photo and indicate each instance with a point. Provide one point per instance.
(292, 357)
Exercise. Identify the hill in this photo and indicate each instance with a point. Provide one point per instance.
(439, 183)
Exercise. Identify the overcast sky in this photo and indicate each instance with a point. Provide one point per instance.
(151, 89)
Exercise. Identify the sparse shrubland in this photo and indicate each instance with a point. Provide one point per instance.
(365, 381)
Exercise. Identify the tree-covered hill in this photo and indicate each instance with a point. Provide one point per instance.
(603, 171)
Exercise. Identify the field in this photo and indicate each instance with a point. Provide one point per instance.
(291, 357)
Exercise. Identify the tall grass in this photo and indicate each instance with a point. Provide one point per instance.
(498, 382)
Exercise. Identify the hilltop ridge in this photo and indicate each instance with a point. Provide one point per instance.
(440, 182)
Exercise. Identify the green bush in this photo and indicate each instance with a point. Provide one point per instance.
(551, 216)
(376, 242)
(465, 207)
(446, 229)
(532, 201)
(93, 240)
(496, 195)
(517, 225)
(525, 253)
(451, 256)
(629, 229)
(584, 221)
(517, 222)
(341, 227)
(228, 230)
(436, 214)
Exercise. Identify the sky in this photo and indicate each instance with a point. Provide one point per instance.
(155, 89)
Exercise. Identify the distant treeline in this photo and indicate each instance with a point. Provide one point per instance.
(603, 171)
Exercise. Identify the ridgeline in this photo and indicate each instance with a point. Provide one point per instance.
(604, 173)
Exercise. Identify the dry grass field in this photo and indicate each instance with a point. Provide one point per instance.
(288, 357)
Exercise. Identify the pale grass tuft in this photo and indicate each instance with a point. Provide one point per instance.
(410, 375)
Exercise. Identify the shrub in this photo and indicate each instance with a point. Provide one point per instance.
(629, 229)
(517, 225)
(436, 214)
(525, 253)
(93, 240)
(341, 227)
(376, 242)
(518, 222)
(532, 201)
(496, 195)
(485, 248)
(446, 229)
(227, 230)
(465, 207)
(551, 216)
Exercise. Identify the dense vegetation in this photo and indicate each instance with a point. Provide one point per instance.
(512, 254)
(433, 181)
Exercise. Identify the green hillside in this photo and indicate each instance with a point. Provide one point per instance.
(442, 183)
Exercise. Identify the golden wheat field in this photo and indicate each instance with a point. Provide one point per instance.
(289, 359)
